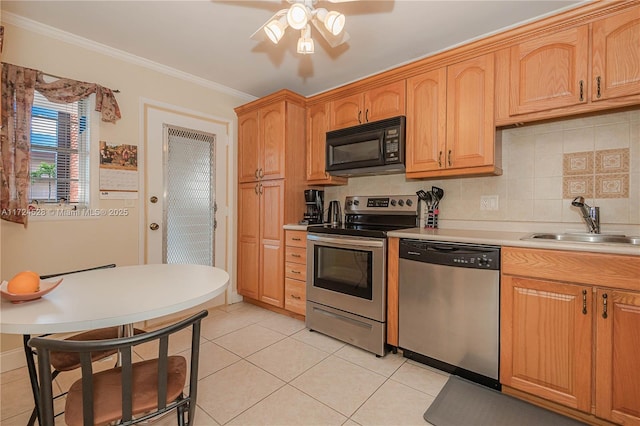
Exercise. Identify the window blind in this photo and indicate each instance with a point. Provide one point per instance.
(59, 152)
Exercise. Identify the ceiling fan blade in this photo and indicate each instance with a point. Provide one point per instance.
(259, 35)
(331, 39)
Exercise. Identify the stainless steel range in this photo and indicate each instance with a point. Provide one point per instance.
(347, 268)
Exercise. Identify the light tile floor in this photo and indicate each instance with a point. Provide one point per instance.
(261, 368)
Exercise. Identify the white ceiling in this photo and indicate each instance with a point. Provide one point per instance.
(210, 39)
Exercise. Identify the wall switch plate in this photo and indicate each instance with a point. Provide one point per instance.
(489, 202)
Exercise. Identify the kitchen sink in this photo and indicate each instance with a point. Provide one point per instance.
(585, 238)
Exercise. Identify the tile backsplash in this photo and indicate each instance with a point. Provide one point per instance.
(544, 167)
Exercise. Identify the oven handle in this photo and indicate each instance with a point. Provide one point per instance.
(347, 241)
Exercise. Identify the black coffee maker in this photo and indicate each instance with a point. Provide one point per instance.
(314, 212)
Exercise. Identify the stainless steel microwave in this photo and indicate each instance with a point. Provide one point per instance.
(367, 149)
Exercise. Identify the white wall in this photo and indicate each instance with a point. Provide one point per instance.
(53, 246)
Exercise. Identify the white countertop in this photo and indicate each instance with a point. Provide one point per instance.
(512, 239)
(295, 227)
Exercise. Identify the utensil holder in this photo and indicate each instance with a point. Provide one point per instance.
(431, 220)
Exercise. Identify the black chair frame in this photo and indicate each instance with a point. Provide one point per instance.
(185, 405)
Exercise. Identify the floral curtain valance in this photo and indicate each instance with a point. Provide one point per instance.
(18, 85)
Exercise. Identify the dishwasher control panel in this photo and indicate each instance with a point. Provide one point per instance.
(451, 254)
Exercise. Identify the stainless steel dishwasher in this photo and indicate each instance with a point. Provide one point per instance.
(449, 307)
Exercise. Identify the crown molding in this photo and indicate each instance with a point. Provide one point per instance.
(64, 36)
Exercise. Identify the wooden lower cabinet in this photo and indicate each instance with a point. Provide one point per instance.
(295, 281)
(260, 249)
(546, 340)
(617, 356)
(570, 330)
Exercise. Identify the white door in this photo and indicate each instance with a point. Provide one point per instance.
(185, 197)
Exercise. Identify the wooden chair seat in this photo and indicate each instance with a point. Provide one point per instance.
(107, 389)
(67, 361)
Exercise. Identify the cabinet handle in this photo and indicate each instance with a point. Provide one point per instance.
(261, 173)
(257, 174)
(366, 115)
(359, 117)
(295, 255)
(449, 158)
(440, 159)
(296, 297)
(256, 189)
(295, 272)
(581, 90)
(598, 93)
(296, 239)
(261, 191)
(584, 302)
(604, 306)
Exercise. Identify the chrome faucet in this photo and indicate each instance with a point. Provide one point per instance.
(591, 215)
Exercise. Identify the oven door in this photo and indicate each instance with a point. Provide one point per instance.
(348, 273)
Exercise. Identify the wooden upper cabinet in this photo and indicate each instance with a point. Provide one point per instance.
(317, 125)
(470, 113)
(426, 120)
(272, 141)
(617, 361)
(261, 147)
(248, 151)
(615, 56)
(373, 105)
(450, 121)
(385, 102)
(550, 71)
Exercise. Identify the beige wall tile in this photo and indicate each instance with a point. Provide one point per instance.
(577, 163)
(574, 186)
(612, 136)
(578, 140)
(612, 186)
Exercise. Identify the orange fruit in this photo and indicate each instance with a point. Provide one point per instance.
(24, 282)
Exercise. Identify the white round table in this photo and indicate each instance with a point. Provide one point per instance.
(115, 296)
(110, 297)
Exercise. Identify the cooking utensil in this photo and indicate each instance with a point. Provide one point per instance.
(335, 213)
(438, 191)
(422, 195)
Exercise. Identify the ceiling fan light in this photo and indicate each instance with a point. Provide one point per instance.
(297, 16)
(334, 22)
(305, 45)
(275, 29)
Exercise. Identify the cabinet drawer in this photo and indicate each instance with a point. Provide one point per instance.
(295, 299)
(296, 271)
(296, 255)
(296, 238)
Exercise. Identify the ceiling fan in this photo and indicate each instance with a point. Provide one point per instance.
(298, 16)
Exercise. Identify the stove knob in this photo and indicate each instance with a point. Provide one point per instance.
(349, 203)
(409, 203)
(356, 203)
(401, 203)
(393, 202)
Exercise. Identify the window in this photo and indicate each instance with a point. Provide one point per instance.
(59, 152)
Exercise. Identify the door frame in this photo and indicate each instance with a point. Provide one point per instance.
(155, 113)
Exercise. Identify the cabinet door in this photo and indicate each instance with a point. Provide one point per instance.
(384, 102)
(272, 242)
(272, 141)
(550, 71)
(426, 120)
(346, 112)
(546, 339)
(617, 359)
(470, 114)
(248, 149)
(317, 116)
(615, 57)
(248, 239)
